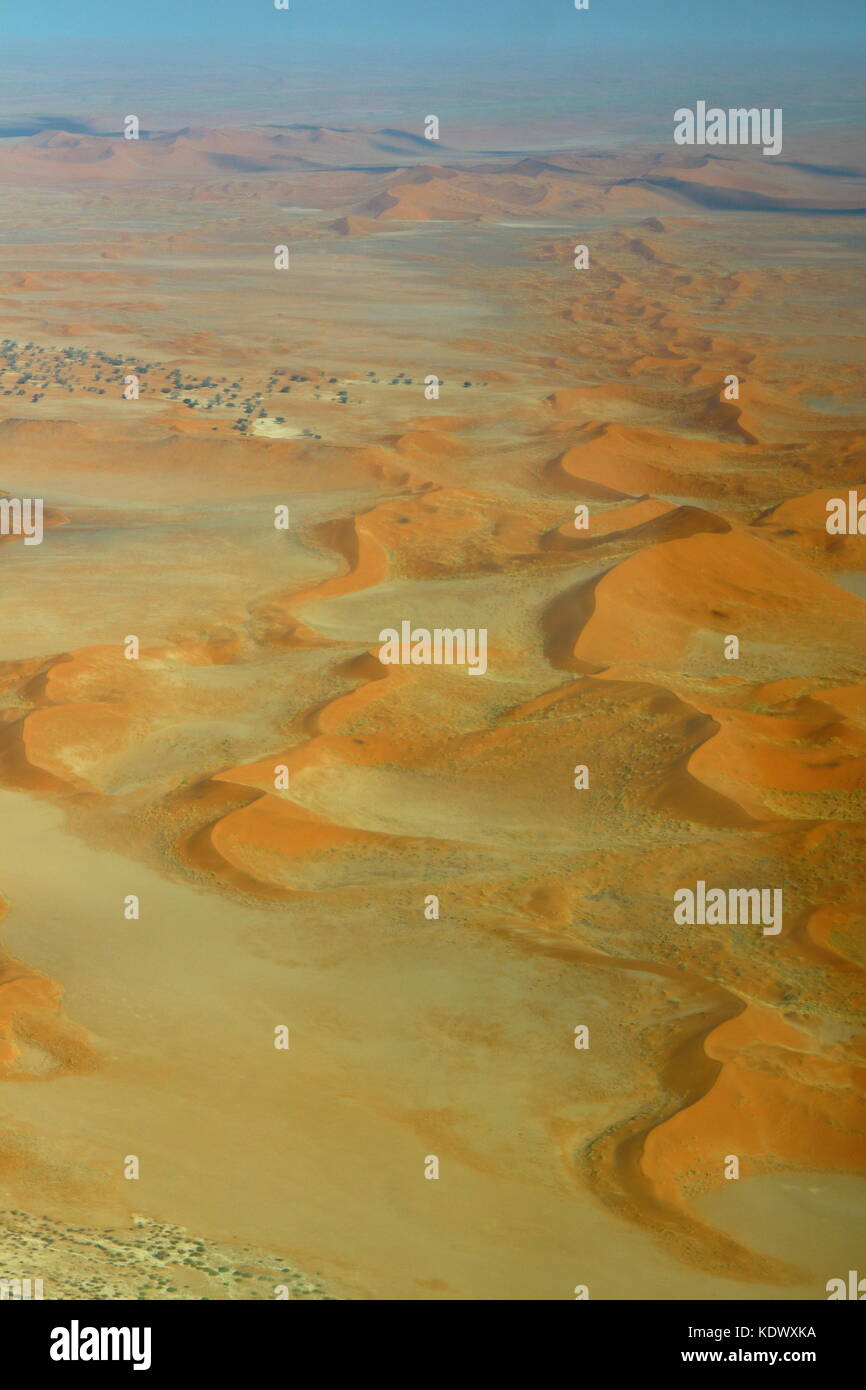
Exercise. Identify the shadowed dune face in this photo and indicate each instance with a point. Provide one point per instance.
(284, 806)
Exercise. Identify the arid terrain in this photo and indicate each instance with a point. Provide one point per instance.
(300, 898)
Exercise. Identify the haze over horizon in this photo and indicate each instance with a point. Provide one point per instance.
(618, 68)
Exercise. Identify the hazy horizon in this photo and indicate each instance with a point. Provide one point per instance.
(551, 96)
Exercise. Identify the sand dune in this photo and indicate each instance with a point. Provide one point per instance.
(679, 602)
(617, 460)
(61, 156)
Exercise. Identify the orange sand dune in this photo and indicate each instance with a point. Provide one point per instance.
(430, 532)
(366, 564)
(621, 461)
(81, 458)
(60, 157)
(704, 412)
(645, 522)
(800, 526)
(775, 1099)
(755, 754)
(354, 226)
(261, 840)
(91, 708)
(36, 1042)
(664, 600)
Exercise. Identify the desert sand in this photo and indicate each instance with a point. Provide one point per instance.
(304, 905)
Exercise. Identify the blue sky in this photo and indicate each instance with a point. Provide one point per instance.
(473, 24)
